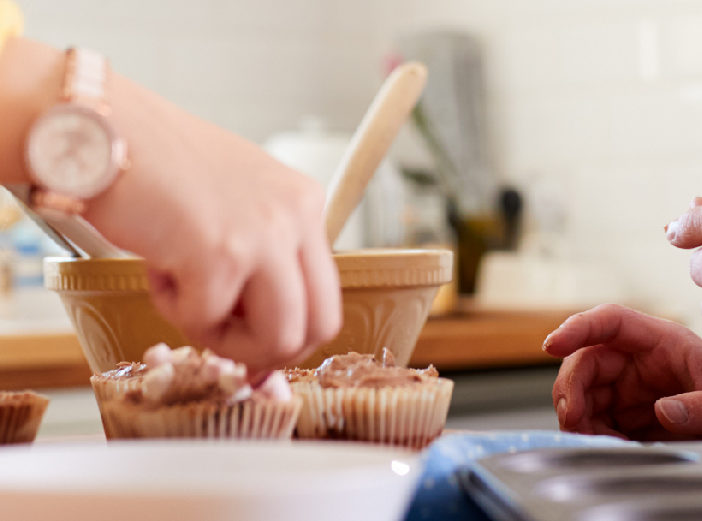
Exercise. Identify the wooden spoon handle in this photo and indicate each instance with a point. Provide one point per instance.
(371, 141)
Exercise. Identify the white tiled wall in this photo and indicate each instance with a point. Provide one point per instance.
(600, 98)
(254, 66)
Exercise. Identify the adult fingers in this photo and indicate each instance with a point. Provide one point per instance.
(580, 372)
(615, 325)
(603, 425)
(600, 399)
(681, 413)
(696, 267)
(658, 433)
(635, 418)
(604, 416)
(686, 230)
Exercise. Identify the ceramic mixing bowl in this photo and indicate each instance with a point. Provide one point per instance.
(386, 296)
(386, 299)
(108, 303)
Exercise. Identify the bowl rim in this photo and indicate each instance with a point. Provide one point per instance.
(380, 252)
(66, 274)
(388, 267)
(365, 268)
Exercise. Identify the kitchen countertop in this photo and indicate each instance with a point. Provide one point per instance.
(73, 416)
(38, 347)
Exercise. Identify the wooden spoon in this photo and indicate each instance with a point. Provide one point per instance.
(371, 141)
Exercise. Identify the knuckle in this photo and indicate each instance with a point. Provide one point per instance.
(268, 213)
(609, 309)
(689, 226)
(694, 221)
(277, 223)
(310, 199)
(236, 250)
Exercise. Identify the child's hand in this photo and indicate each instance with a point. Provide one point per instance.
(686, 232)
(234, 241)
(627, 374)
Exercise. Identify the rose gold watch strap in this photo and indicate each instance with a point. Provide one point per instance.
(84, 83)
(85, 77)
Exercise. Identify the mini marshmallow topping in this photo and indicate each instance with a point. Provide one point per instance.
(182, 375)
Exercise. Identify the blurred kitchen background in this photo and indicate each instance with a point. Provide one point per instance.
(555, 140)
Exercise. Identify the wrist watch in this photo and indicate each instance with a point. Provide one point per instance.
(72, 151)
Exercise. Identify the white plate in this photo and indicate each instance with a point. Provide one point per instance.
(203, 481)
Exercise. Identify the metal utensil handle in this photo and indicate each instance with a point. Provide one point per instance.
(21, 194)
(84, 236)
(70, 232)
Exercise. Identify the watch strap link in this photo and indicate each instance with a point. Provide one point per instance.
(85, 77)
(85, 84)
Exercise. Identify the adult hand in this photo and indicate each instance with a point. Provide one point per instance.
(627, 374)
(686, 232)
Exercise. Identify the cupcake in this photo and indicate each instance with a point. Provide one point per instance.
(117, 382)
(20, 416)
(356, 397)
(181, 393)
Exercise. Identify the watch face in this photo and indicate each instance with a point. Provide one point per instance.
(71, 150)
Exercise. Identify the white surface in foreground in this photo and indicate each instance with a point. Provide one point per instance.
(205, 481)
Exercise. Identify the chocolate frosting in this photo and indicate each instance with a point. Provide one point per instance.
(183, 375)
(363, 370)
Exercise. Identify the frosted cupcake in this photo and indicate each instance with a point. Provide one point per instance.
(182, 394)
(356, 397)
(20, 416)
(117, 382)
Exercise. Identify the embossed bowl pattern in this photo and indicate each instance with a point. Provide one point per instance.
(386, 296)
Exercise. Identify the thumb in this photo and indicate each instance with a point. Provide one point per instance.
(681, 414)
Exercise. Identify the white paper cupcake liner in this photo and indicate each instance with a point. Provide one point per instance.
(107, 388)
(20, 416)
(250, 419)
(409, 416)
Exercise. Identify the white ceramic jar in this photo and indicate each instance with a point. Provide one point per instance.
(317, 152)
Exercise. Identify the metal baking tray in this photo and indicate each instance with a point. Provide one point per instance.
(646, 483)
